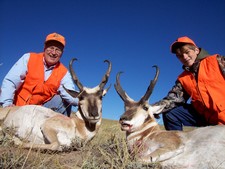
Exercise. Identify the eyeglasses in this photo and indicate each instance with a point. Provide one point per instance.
(57, 50)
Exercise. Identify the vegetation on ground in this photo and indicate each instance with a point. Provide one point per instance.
(106, 150)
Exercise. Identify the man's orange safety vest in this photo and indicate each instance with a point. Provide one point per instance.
(35, 90)
(208, 92)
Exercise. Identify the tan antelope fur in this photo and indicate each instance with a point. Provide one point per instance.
(201, 148)
(43, 128)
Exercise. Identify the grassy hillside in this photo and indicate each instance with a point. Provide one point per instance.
(107, 150)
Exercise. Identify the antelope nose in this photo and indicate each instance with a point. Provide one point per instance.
(123, 118)
(94, 113)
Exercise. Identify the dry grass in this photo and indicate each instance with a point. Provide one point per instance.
(107, 150)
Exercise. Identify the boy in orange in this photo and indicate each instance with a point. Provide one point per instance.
(203, 81)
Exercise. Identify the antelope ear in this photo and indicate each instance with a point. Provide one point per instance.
(105, 90)
(157, 109)
(71, 92)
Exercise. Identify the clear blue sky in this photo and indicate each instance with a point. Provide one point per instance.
(132, 34)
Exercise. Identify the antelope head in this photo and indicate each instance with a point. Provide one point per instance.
(90, 99)
(140, 113)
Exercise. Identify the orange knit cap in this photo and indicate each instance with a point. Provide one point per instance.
(56, 37)
(184, 40)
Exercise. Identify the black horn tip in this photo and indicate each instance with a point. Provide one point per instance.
(119, 73)
(157, 68)
(118, 78)
(107, 61)
(72, 60)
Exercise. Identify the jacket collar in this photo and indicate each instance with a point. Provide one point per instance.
(203, 54)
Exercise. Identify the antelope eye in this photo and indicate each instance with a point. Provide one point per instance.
(100, 97)
(145, 108)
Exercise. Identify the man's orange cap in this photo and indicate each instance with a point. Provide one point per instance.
(56, 37)
(184, 40)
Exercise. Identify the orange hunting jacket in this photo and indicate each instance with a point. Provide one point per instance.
(35, 90)
(207, 93)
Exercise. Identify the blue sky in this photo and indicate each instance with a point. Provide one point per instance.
(132, 34)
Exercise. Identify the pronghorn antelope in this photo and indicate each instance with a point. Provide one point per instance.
(45, 129)
(197, 149)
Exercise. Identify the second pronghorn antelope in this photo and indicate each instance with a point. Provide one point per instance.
(200, 148)
(43, 128)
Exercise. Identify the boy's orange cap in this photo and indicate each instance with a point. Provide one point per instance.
(56, 37)
(183, 39)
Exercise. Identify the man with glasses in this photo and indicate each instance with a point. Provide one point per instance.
(38, 78)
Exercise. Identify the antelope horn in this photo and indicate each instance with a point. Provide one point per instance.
(74, 76)
(123, 95)
(106, 76)
(151, 86)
